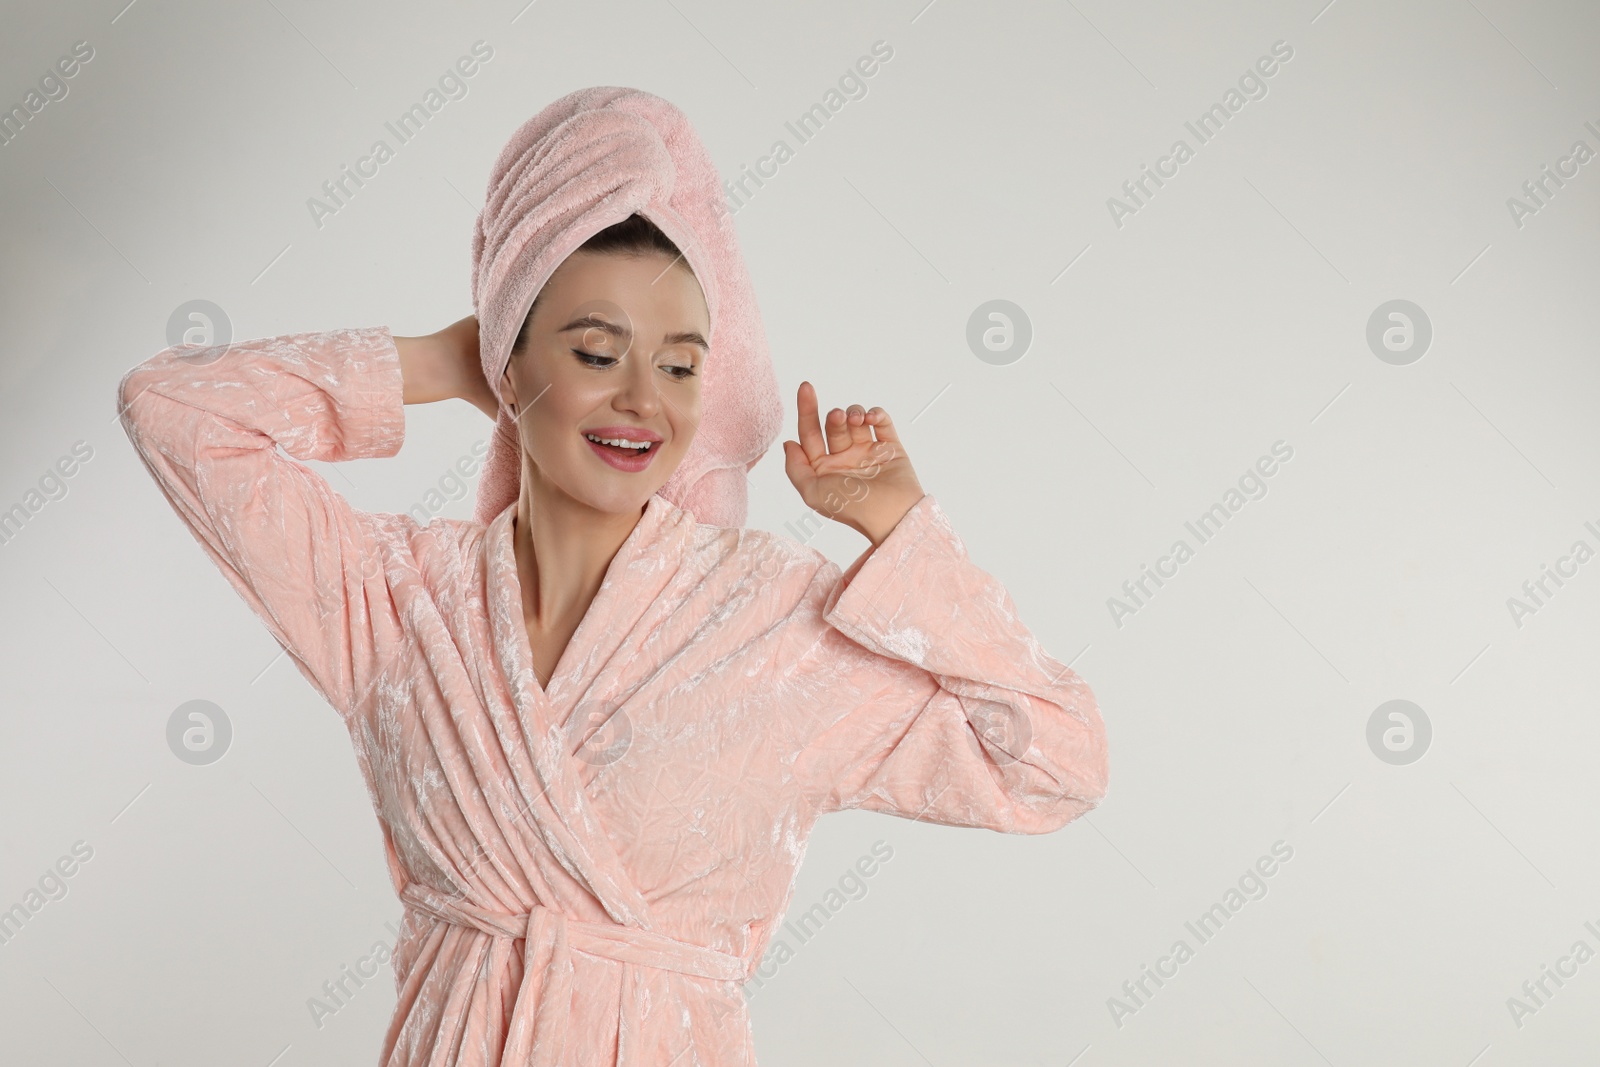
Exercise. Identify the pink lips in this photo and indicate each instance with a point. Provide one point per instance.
(624, 460)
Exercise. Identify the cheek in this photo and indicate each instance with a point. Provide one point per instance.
(549, 425)
(690, 410)
(685, 423)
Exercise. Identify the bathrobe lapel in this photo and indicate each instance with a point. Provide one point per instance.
(549, 786)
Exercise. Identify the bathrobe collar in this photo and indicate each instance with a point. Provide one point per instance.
(651, 551)
(587, 676)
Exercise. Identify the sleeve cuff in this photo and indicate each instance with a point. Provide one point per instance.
(369, 391)
(875, 590)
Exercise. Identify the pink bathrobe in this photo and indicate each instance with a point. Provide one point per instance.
(590, 872)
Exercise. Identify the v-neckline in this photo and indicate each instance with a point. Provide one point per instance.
(532, 729)
(599, 606)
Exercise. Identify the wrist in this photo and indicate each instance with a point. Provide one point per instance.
(421, 369)
(877, 528)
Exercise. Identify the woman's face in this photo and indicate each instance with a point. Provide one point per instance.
(615, 349)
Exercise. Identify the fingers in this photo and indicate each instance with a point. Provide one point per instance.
(838, 429)
(810, 430)
(883, 425)
(860, 426)
(842, 428)
(797, 466)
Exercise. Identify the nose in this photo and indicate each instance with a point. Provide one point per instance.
(637, 392)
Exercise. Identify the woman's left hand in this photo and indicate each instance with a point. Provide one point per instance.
(849, 476)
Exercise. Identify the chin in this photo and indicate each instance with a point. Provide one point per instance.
(628, 497)
(628, 507)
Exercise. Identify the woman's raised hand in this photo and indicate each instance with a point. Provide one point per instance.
(445, 366)
(849, 475)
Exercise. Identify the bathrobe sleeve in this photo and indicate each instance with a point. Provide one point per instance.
(939, 704)
(208, 425)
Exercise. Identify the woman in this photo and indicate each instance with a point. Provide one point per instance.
(599, 721)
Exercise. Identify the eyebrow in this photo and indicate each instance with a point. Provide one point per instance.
(595, 322)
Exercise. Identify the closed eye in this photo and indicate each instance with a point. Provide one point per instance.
(595, 359)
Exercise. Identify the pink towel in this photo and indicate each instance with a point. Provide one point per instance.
(589, 160)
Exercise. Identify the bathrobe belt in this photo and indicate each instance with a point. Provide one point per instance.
(539, 1020)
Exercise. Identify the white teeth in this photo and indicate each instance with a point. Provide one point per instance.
(620, 442)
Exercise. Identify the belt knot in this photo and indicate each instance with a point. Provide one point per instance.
(547, 928)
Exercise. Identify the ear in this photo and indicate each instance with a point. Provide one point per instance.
(508, 390)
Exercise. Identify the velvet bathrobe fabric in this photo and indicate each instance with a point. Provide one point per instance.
(590, 872)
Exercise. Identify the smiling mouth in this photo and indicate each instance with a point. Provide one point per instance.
(622, 446)
(632, 455)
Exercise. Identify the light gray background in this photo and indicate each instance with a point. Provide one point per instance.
(1228, 314)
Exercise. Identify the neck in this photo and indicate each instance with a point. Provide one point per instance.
(563, 548)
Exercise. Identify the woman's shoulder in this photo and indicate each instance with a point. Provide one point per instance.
(438, 540)
(753, 553)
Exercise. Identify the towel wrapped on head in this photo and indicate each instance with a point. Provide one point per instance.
(589, 160)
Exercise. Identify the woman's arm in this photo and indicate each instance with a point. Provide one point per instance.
(936, 702)
(445, 366)
(208, 425)
(926, 696)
